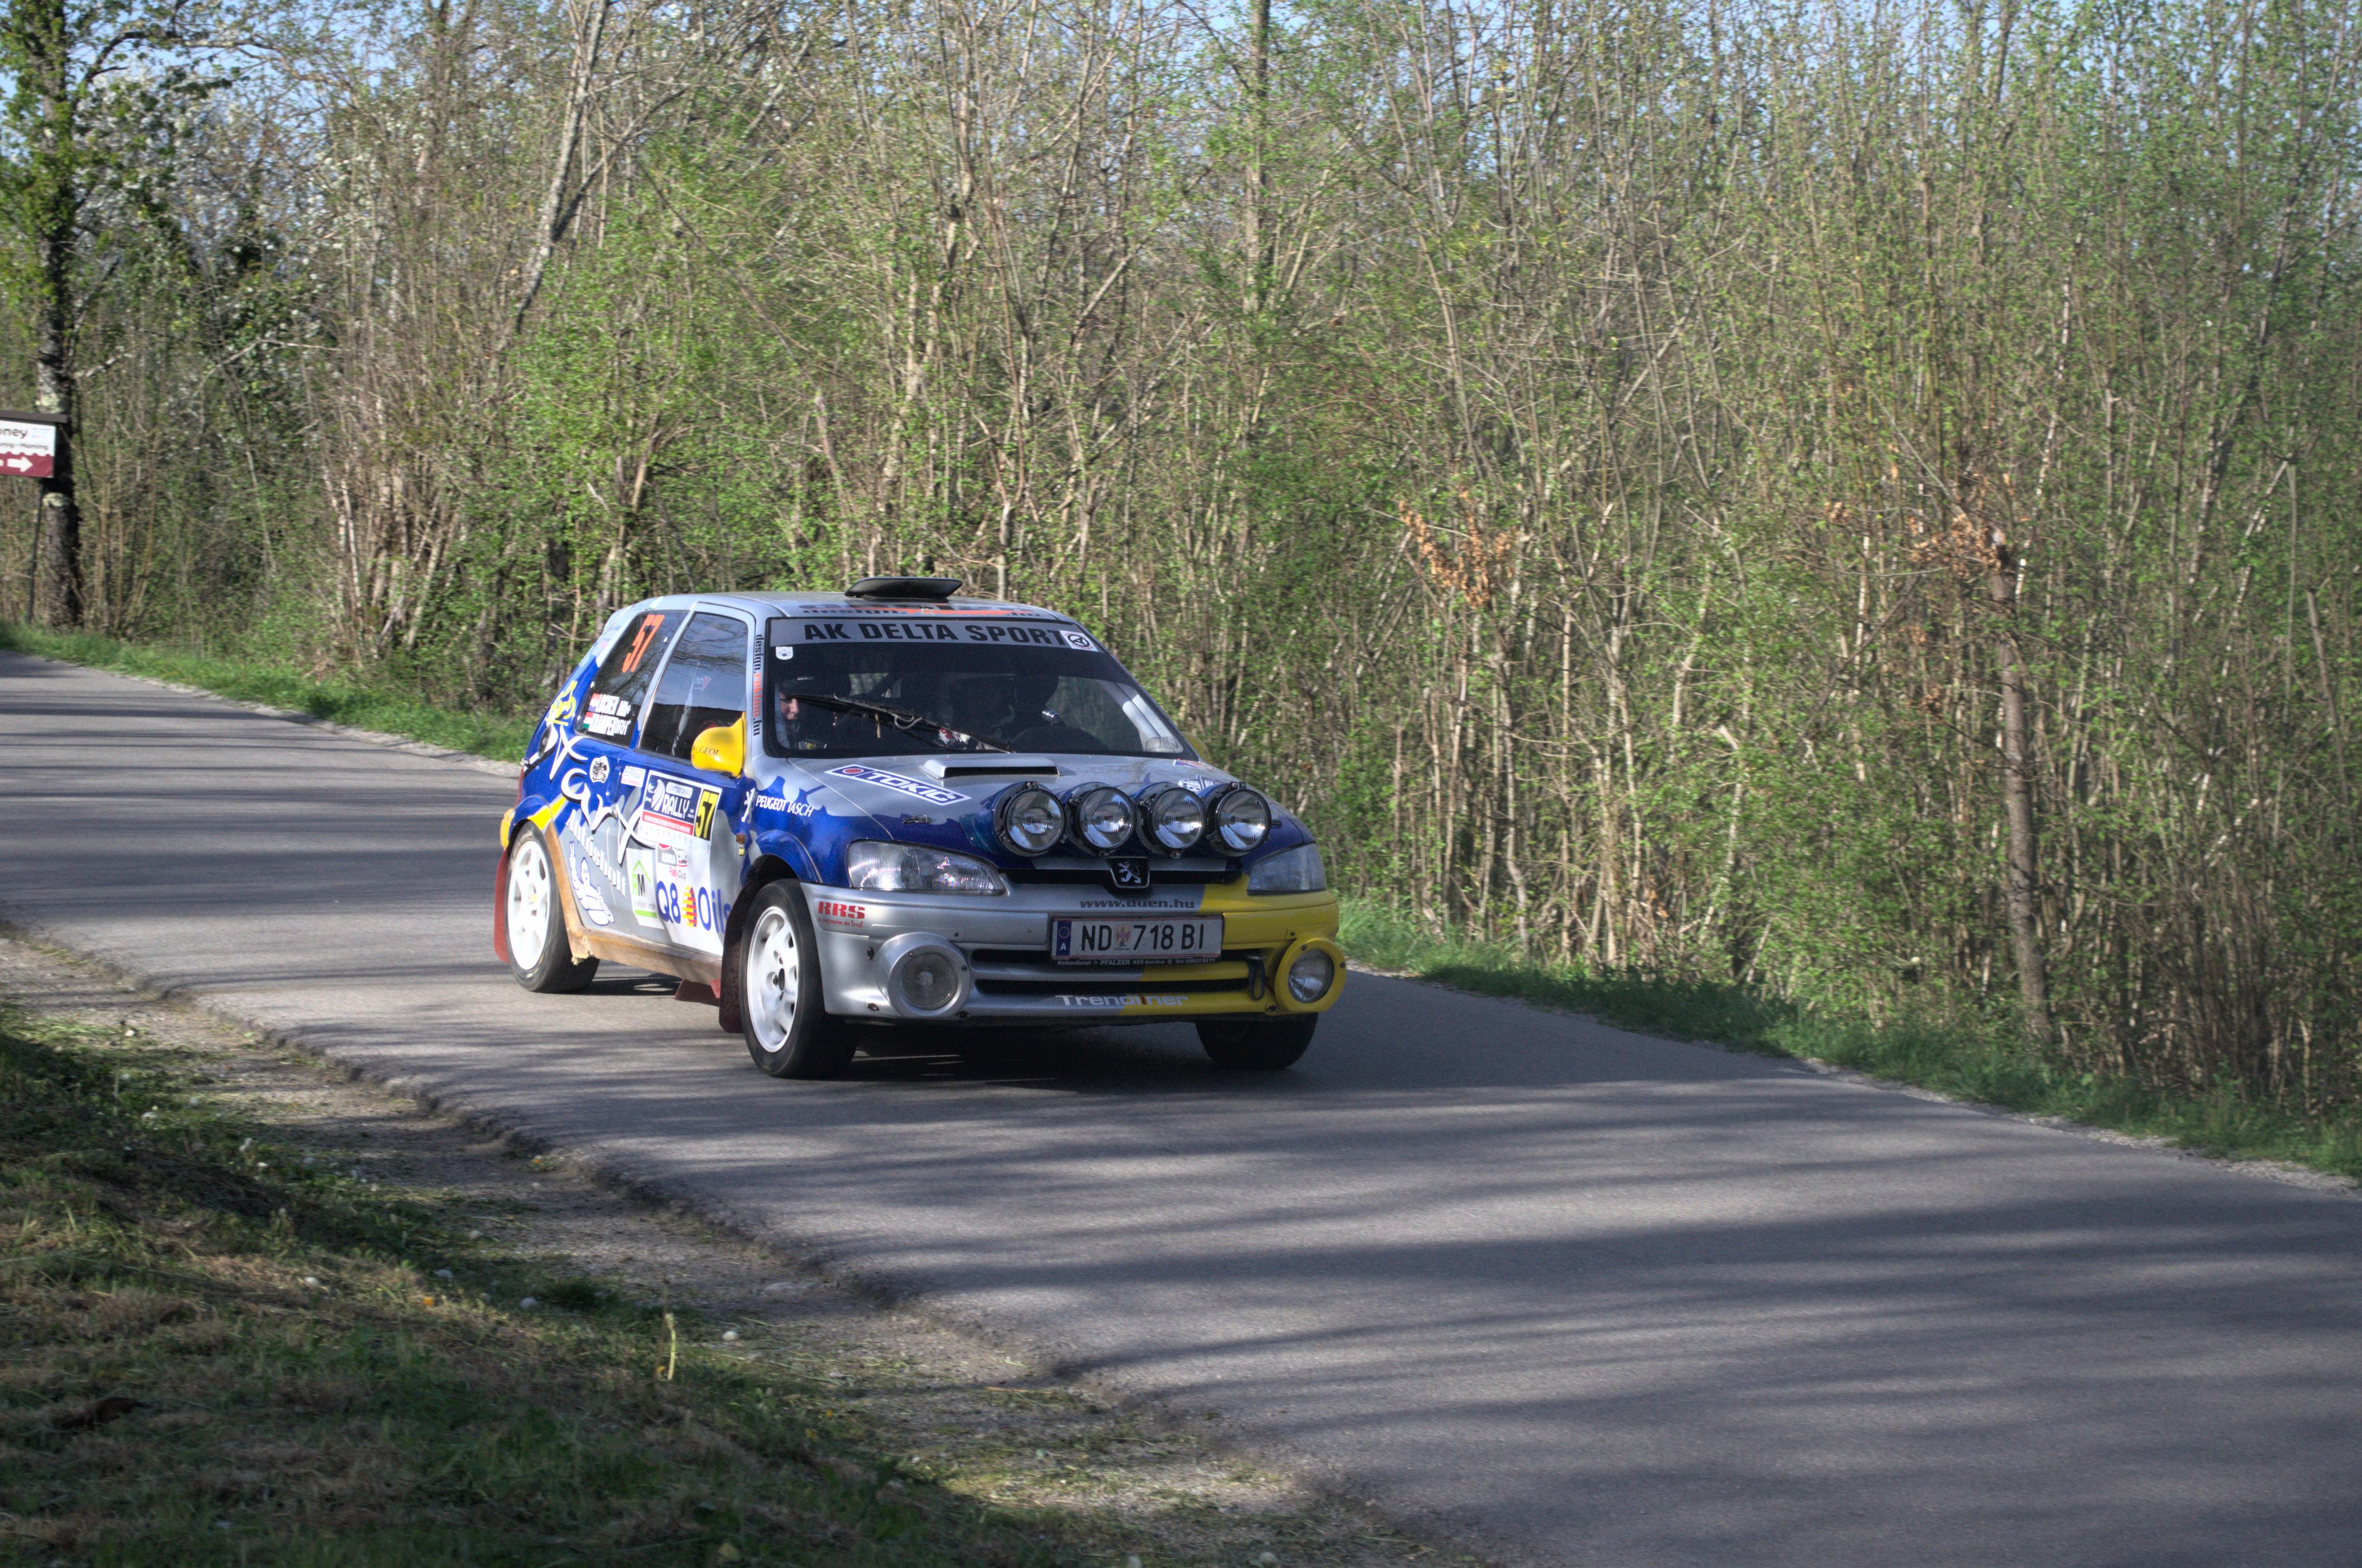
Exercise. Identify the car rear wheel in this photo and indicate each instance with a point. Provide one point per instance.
(539, 956)
(789, 1032)
(1256, 1046)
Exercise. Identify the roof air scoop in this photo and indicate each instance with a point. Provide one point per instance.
(904, 588)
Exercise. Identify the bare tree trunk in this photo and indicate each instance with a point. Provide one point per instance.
(53, 202)
(53, 395)
(2017, 800)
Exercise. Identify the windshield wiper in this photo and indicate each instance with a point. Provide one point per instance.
(901, 718)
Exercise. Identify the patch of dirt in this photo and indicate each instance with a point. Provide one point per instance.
(942, 1403)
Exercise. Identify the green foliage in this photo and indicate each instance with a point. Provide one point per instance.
(486, 733)
(1977, 1057)
(1572, 454)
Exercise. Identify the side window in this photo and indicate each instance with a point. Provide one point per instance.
(622, 683)
(704, 685)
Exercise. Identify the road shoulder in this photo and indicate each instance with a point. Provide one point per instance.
(1124, 1481)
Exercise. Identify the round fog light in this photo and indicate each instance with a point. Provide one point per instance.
(924, 974)
(1308, 978)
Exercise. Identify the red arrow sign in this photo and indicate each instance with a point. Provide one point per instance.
(28, 450)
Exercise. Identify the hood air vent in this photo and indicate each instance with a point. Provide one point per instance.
(948, 768)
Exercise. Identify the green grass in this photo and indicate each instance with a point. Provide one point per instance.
(305, 1388)
(492, 735)
(1956, 1053)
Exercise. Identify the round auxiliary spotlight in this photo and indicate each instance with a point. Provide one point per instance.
(1172, 819)
(1029, 820)
(1100, 818)
(1241, 818)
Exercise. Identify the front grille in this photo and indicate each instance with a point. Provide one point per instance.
(1035, 958)
(1073, 985)
(1072, 872)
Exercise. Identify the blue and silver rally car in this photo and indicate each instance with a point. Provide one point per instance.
(891, 806)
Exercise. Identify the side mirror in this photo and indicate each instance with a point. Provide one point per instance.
(722, 749)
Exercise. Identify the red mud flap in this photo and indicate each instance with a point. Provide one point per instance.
(731, 1020)
(499, 908)
(696, 991)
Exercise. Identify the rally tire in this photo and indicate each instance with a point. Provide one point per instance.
(1255, 1046)
(776, 979)
(539, 955)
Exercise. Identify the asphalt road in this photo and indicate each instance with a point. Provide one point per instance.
(1567, 1293)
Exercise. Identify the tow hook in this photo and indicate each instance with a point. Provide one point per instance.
(1255, 986)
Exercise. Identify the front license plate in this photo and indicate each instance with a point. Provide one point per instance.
(1136, 940)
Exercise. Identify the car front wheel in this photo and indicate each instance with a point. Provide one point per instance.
(539, 956)
(1256, 1046)
(789, 1032)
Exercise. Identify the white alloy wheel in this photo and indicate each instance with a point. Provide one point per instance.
(782, 1009)
(539, 955)
(773, 978)
(533, 902)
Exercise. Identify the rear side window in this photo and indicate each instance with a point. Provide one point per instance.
(622, 685)
(704, 685)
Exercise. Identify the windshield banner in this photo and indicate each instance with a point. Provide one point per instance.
(915, 630)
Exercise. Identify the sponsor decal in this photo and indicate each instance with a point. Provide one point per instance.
(779, 802)
(838, 916)
(640, 872)
(689, 907)
(937, 630)
(933, 794)
(632, 776)
(598, 770)
(609, 714)
(587, 895)
(670, 801)
(1134, 999)
(1178, 901)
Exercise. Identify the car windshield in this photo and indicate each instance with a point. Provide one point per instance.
(898, 695)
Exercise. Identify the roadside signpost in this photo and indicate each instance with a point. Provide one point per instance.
(33, 446)
(28, 445)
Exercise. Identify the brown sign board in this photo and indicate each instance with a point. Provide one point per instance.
(28, 445)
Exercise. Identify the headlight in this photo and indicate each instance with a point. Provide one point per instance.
(1171, 818)
(1102, 818)
(915, 868)
(1297, 870)
(1029, 820)
(1241, 818)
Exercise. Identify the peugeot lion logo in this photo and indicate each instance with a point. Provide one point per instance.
(1128, 876)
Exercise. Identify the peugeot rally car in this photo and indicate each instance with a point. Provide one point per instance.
(893, 806)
